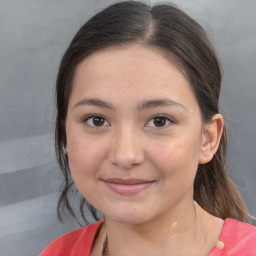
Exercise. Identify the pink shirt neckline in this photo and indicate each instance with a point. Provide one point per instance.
(215, 251)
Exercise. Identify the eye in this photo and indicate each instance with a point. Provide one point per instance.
(96, 121)
(159, 121)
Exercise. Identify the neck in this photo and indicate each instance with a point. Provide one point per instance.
(172, 234)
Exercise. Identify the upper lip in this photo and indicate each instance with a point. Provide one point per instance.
(127, 181)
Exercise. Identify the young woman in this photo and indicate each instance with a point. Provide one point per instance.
(140, 133)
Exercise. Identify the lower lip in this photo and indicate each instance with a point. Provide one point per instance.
(128, 189)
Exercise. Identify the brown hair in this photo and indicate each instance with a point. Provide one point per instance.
(181, 38)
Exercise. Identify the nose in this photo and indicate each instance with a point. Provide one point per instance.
(126, 148)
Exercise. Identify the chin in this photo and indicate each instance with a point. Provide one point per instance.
(128, 217)
(130, 221)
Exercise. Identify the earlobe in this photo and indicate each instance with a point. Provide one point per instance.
(211, 136)
(65, 151)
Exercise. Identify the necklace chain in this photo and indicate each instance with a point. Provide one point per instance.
(105, 247)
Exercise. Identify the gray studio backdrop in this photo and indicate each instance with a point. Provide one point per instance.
(33, 37)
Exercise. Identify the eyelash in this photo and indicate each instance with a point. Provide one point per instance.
(161, 116)
(91, 116)
(151, 119)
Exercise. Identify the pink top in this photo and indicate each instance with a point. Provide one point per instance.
(239, 239)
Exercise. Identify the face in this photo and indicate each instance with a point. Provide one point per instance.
(134, 134)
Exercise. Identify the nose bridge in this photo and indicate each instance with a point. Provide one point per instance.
(127, 147)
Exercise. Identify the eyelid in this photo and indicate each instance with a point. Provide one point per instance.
(87, 117)
(163, 116)
(84, 118)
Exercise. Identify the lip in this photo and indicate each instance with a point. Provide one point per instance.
(127, 186)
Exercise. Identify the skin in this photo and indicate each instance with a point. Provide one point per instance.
(127, 87)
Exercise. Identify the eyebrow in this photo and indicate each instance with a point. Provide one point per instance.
(163, 102)
(94, 102)
(145, 105)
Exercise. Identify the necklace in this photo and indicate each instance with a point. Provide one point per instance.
(105, 247)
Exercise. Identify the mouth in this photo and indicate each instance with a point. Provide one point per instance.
(127, 186)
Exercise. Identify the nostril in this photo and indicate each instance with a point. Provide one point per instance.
(126, 157)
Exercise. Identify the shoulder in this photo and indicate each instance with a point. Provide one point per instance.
(239, 237)
(73, 243)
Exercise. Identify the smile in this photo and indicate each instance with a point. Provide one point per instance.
(127, 187)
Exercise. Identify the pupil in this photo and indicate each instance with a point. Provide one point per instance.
(98, 121)
(159, 122)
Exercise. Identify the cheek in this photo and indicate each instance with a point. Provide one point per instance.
(85, 155)
(85, 162)
(176, 157)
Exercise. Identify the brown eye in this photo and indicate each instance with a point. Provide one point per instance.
(96, 121)
(160, 121)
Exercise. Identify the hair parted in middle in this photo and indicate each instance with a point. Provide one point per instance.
(184, 42)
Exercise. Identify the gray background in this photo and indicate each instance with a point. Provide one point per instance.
(33, 37)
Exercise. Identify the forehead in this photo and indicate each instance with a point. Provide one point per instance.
(133, 70)
(126, 56)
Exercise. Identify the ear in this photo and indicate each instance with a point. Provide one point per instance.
(211, 135)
